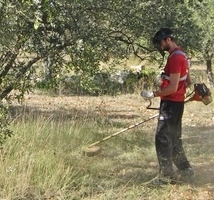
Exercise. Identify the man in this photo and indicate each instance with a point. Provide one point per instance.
(175, 79)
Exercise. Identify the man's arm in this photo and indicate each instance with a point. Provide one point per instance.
(171, 88)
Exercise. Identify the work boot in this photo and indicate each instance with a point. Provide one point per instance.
(165, 180)
(186, 174)
(166, 177)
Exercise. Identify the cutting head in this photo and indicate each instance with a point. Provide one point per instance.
(91, 151)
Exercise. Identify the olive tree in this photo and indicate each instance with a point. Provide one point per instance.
(79, 35)
(204, 14)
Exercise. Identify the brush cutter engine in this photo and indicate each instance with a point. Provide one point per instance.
(201, 93)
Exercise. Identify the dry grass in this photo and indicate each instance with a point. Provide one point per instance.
(44, 159)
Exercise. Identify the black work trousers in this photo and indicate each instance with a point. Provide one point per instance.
(168, 138)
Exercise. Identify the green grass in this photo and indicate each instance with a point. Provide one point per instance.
(44, 159)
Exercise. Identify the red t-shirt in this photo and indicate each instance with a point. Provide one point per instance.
(176, 63)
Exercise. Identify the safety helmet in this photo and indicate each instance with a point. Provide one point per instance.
(162, 34)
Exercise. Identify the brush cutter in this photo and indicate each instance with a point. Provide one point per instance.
(200, 93)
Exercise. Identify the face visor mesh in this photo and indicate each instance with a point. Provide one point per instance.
(159, 36)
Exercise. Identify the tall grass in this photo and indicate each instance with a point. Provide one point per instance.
(44, 160)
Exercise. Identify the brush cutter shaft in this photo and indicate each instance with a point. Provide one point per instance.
(123, 130)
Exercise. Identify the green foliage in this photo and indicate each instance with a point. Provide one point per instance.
(150, 78)
(102, 83)
(79, 36)
(204, 15)
(47, 85)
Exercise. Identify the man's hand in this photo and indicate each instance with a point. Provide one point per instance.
(147, 95)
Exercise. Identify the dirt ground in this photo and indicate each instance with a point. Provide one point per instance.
(198, 125)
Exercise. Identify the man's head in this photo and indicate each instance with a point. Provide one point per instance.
(162, 39)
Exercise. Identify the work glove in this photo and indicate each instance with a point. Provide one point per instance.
(147, 95)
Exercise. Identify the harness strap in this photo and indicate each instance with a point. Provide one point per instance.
(167, 77)
(178, 51)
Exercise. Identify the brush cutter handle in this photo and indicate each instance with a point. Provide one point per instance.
(149, 106)
(123, 130)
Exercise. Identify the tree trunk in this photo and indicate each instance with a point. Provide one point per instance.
(209, 71)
